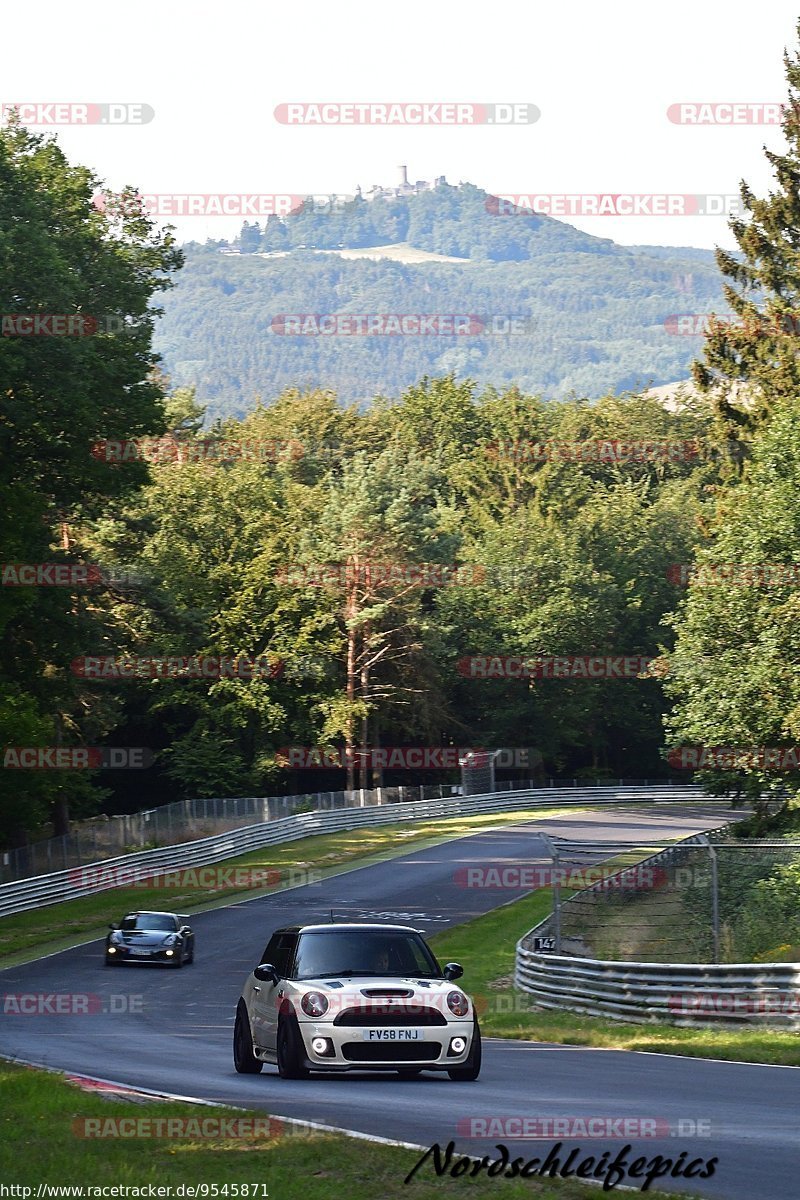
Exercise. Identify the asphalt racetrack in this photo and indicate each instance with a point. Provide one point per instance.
(171, 1030)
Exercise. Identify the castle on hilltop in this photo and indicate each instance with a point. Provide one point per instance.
(403, 187)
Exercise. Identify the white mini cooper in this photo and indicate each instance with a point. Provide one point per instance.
(354, 998)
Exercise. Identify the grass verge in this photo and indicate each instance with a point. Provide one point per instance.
(486, 947)
(39, 1145)
(27, 935)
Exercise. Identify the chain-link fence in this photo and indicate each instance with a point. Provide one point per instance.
(714, 899)
(186, 820)
(182, 821)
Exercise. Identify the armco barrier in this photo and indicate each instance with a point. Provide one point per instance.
(682, 993)
(695, 994)
(42, 890)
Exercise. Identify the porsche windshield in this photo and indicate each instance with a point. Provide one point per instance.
(158, 922)
(353, 952)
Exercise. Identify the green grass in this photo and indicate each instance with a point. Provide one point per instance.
(38, 1144)
(26, 935)
(485, 946)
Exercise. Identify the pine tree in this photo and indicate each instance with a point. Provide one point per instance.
(753, 362)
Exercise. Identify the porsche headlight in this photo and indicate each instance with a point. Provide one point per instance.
(314, 1004)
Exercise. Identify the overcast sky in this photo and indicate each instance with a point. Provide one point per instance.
(602, 75)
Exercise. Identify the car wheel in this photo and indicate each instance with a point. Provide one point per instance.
(288, 1055)
(190, 959)
(409, 1072)
(244, 1060)
(177, 962)
(472, 1069)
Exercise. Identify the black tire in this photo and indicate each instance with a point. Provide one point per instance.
(288, 1050)
(470, 1072)
(244, 1060)
(409, 1072)
(177, 963)
(190, 959)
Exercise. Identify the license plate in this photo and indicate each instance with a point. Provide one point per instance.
(140, 953)
(393, 1035)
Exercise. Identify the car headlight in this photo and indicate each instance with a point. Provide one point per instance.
(116, 937)
(458, 1004)
(314, 1004)
(170, 939)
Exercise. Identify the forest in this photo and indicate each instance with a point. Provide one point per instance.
(262, 595)
(560, 312)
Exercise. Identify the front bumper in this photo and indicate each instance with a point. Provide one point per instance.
(354, 1051)
(124, 954)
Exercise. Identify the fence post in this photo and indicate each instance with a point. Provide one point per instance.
(714, 899)
(556, 900)
(554, 855)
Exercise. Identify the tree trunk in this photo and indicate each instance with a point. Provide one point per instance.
(60, 809)
(350, 611)
(365, 757)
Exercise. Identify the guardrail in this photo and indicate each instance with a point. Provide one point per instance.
(682, 993)
(692, 994)
(100, 837)
(43, 890)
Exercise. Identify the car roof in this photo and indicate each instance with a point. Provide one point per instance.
(329, 926)
(149, 912)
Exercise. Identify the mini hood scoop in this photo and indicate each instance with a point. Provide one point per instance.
(387, 992)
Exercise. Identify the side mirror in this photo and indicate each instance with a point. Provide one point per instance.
(113, 925)
(453, 971)
(266, 973)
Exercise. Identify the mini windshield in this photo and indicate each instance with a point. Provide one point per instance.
(152, 921)
(369, 952)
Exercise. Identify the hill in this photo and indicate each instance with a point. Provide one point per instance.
(589, 316)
